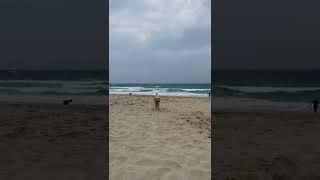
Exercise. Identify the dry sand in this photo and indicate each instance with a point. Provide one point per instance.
(51, 141)
(148, 145)
(266, 145)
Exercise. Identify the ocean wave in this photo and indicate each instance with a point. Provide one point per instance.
(196, 89)
(266, 89)
(50, 84)
(31, 87)
(27, 87)
(51, 92)
(163, 93)
(298, 94)
(162, 90)
(29, 84)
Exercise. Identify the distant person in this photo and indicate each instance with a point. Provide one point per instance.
(209, 94)
(315, 105)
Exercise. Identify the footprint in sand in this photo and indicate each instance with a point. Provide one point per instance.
(148, 162)
(158, 162)
(199, 174)
(117, 161)
(193, 162)
(176, 176)
(126, 175)
(158, 173)
(121, 160)
(187, 146)
(171, 164)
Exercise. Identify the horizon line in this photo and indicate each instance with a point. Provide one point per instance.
(161, 83)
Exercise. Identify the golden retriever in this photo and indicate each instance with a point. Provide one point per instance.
(157, 103)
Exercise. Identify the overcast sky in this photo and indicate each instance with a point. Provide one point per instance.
(267, 34)
(160, 41)
(52, 34)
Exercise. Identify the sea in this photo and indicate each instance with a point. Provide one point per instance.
(52, 86)
(85, 83)
(299, 86)
(272, 85)
(288, 90)
(190, 89)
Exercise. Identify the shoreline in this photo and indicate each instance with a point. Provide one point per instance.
(240, 104)
(256, 105)
(218, 103)
(159, 94)
(52, 99)
(165, 96)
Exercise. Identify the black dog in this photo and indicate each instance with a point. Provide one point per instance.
(67, 102)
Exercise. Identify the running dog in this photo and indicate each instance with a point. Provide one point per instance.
(157, 103)
(67, 102)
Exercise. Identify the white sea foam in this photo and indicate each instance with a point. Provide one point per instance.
(195, 90)
(164, 94)
(262, 89)
(161, 90)
(33, 87)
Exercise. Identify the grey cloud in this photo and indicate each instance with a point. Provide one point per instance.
(151, 46)
(272, 34)
(55, 34)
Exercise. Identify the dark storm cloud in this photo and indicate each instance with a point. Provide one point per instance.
(252, 34)
(52, 34)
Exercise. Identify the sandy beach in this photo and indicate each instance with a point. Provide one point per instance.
(172, 144)
(52, 141)
(266, 145)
